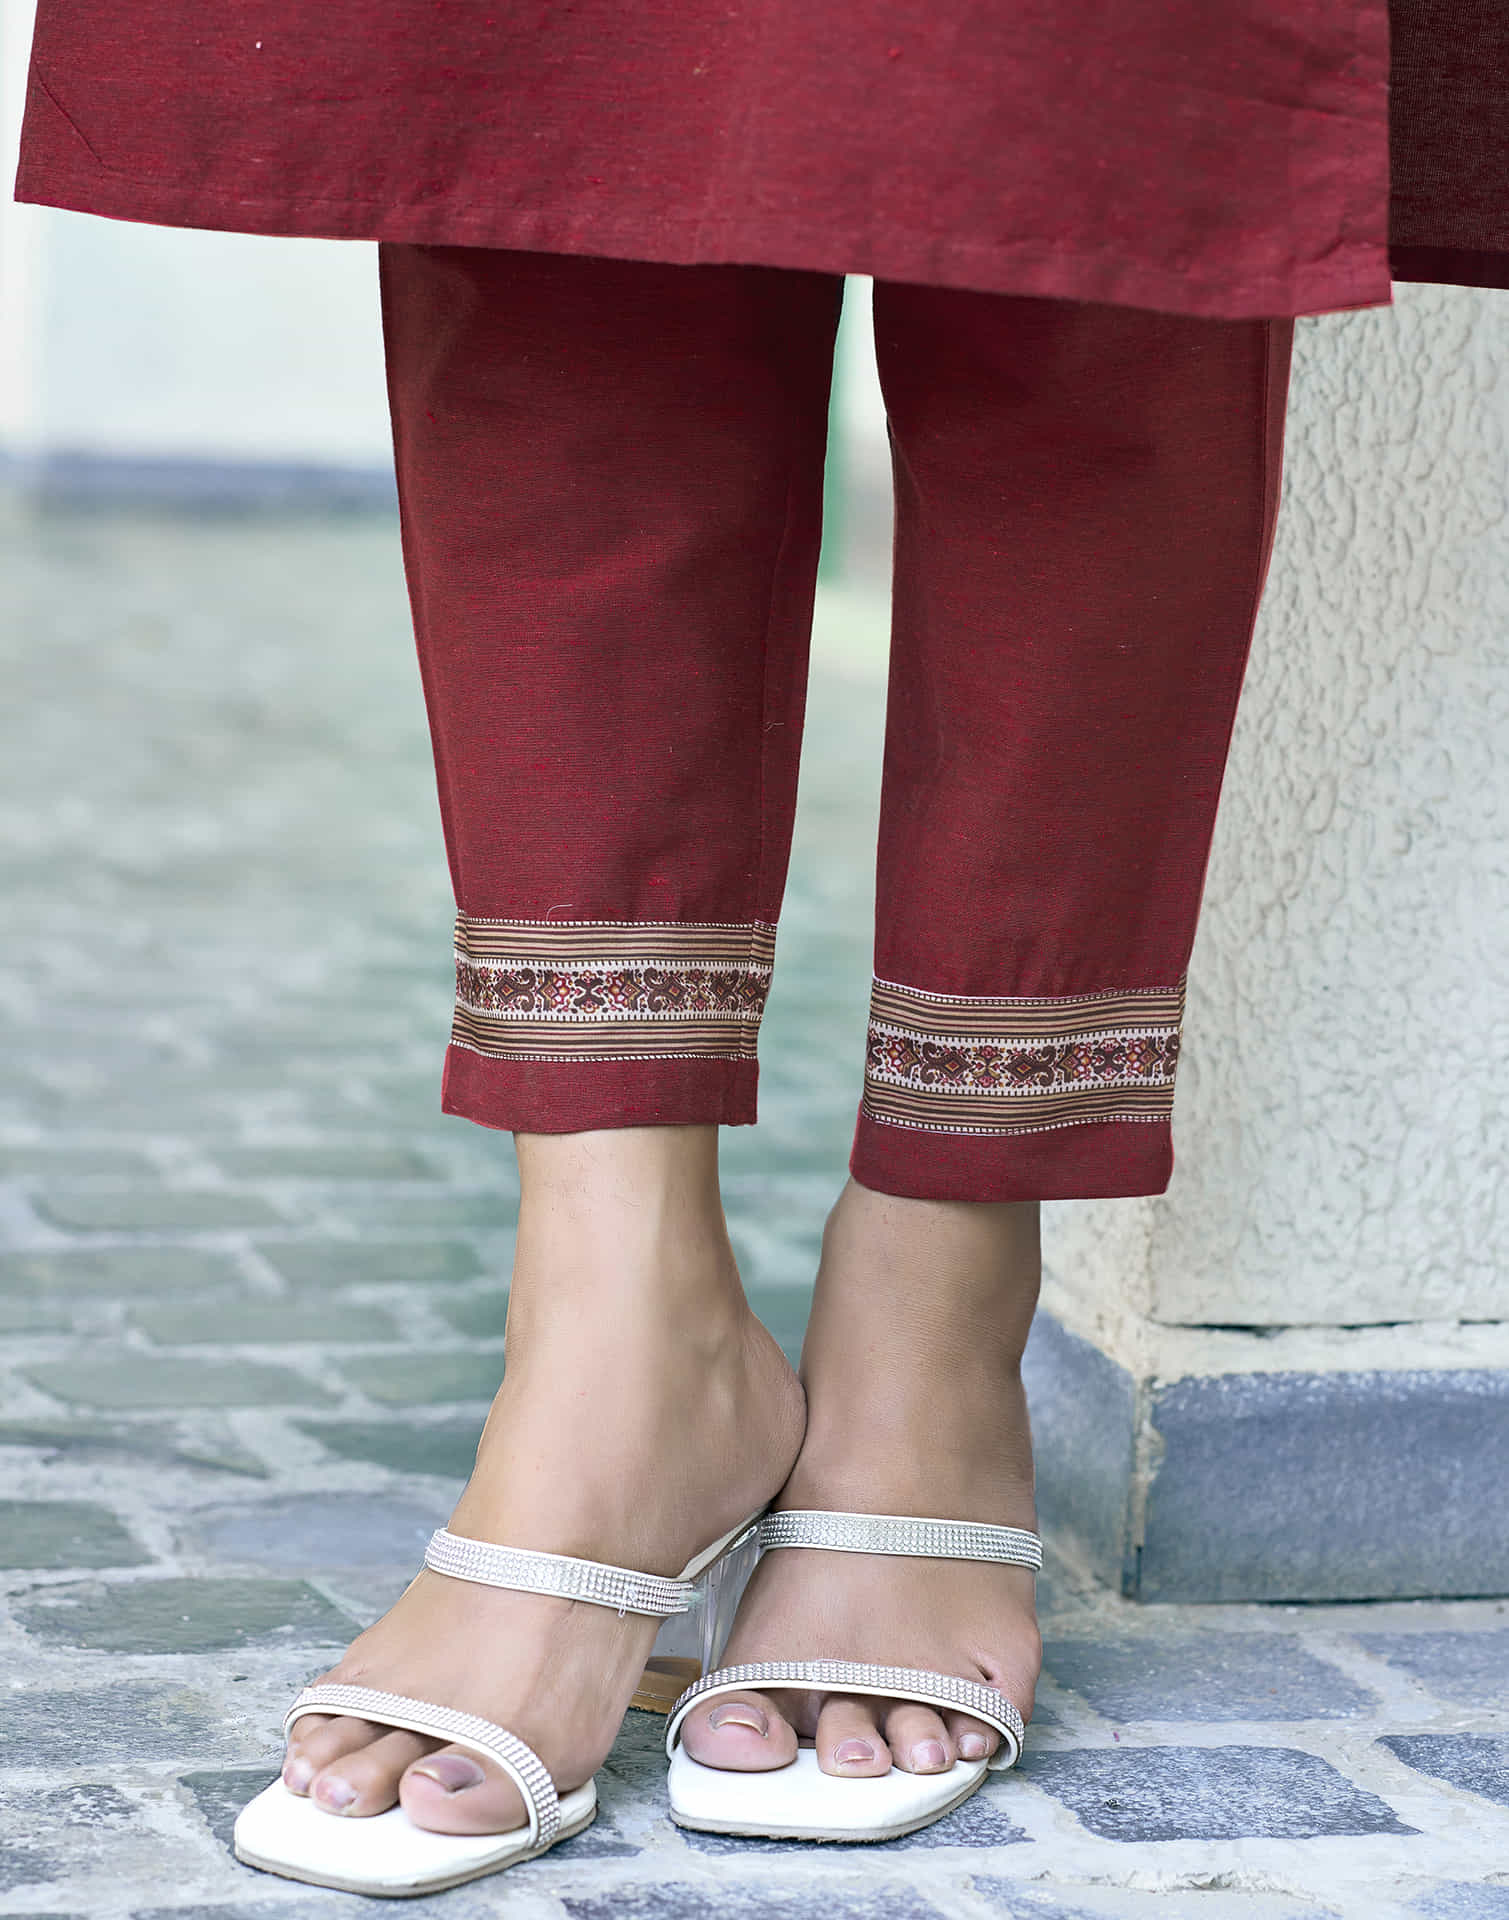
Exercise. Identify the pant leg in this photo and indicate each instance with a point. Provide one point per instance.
(1085, 505)
(610, 480)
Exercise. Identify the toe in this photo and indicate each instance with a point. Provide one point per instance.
(366, 1782)
(849, 1741)
(918, 1739)
(453, 1791)
(742, 1732)
(315, 1740)
(972, 1739)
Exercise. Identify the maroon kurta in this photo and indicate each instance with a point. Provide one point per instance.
(1227, 160)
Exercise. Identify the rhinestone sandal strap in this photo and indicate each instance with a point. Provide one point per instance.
(593, 1581)
(521, 1763)
(897, 1533)
(941, 1690)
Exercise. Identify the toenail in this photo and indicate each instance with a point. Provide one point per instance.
(928, 1756)
(297, 1775)
(451, 1771)
(853, 1752)
(336, 1794)
(972, 1746)
(738, 1715)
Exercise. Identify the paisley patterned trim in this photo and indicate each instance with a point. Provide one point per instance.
(951, 1063)
(611, 989)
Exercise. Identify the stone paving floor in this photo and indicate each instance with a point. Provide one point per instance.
(253, 1295)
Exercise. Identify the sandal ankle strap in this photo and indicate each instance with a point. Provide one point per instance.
(622, 1588)
(901, 1534)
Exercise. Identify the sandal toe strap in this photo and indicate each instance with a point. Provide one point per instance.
(941, 1690)
(520, 1762)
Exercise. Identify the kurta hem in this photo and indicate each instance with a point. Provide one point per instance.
(1357, 276)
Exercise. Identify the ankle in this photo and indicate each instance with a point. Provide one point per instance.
(623, 1226)
(638, 1173)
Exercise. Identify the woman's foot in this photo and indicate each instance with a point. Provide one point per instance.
(915, 1406)
(645, 1412)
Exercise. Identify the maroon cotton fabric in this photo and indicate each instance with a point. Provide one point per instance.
(1225, 160)
(1449, 115)
(611, 484)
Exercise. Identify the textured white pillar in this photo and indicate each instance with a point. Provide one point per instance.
(1339, 1212)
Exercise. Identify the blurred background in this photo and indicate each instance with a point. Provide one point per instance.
(194, 369)
(214, 734)
(252, 1281)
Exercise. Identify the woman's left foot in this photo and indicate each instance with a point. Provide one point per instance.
(915, 1406)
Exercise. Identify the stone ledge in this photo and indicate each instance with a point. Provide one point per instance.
(1346, 1485)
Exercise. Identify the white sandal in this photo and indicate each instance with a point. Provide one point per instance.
(386, 1854)
(800, 1801)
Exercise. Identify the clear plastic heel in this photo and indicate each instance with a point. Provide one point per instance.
(690, 1644)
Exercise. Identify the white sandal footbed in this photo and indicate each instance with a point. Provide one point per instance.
(386, 1854)
(800, 1801)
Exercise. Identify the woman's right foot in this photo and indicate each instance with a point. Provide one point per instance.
(915, 1406)
(645, 1412)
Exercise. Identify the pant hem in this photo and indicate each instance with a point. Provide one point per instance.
(579, 1096)
(1106, 1160)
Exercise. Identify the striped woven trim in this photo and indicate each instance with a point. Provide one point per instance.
(520, 1762)
(611, 989)
(900, 1534)
(624, 1589)
(951, 1063)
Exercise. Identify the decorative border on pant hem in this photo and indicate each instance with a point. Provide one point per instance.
(955, 1063)
(549, 990)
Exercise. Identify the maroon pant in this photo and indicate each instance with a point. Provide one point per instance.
(610, 474)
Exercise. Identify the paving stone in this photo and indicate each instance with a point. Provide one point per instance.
(666, 1900)
(481, 1314)
(29, 1863)
(344, 1263)
(121, 1272)
(135, 1723)
(168, 1116)
(163, 1443)
(43, 1535)
(410, 1379)
(304, 1532)
(443, 1207)
(1461, 1900)
(1013, 1901)
(1472, 1668)
(324, 1163)
(467, 1902)
(94, 1805)
(448, 1450)
(70, 1162)
(184, 1616)
(1269, 1485)
(127, 1378)
(1207, 1793)
(42, 1831)
(32, 1316)
(220, 1794)
(1475, 1762)
(1148, 1675)
(158, 1210)
(267, 1323)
